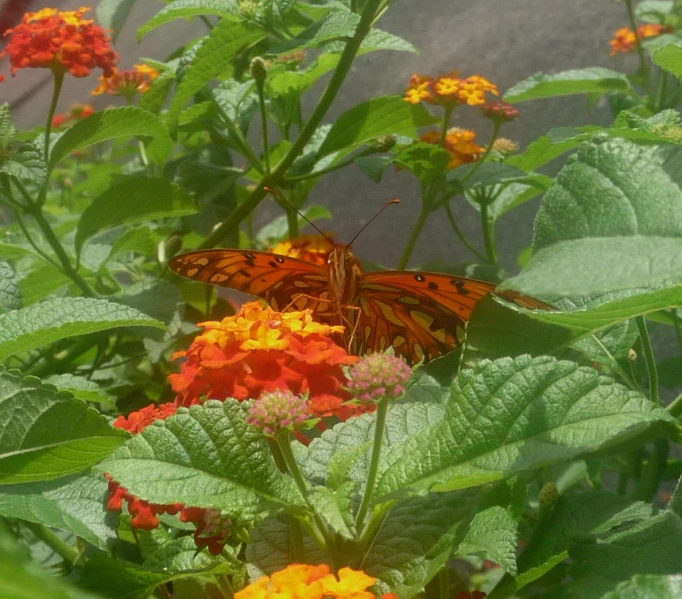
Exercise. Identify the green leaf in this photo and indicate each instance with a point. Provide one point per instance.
(73, 504)
(113, 123)
(278, 229)
(182, 9)
(10, 293)
(492, 535)
(213, 56)
(133, 199)
(573, 517)
(426, 161)
(334, 25)
(516, 415)
(579, 81)
(385, 115)
(648, 587)
(669, 58)
(205, 457)
(112, 15)
(416, 539)
(52, 434)
(41, 282)
(140, 240)
(81, 388)
(7, 131)
(295, 83)
(47, 322)
(649, 547)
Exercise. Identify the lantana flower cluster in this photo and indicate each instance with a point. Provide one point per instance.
(75, 113)
(309, 248)
(376, 376)
(449, 89)
(625, 41)
(303, 581)
(127, 83)
(62, 41)
(459, 143)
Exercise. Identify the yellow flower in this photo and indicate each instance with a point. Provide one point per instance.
(310, 248)
(419, 89)
(469, 91)
(352, 584)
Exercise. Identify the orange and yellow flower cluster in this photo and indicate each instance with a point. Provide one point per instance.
(309, 248)
(625, 40)
(303, 581)
(449, 89)
(460, 145)
(75, 113)
(60, 41)
(127, 83)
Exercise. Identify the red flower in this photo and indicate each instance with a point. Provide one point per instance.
(135, 422)
(60, 41)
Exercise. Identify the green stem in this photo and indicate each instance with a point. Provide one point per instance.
(330, 169)
(297, 545)
(58, 80)
(488, 149)
(446, 125)
(649, 360)
(37, 213)
(52, 365)
(646, 71)
(19, 218)
(143, 154)
(379, 427)
(330, 92)
(460, 234)
(414, 235)
(651, 477)
(70, 554)
(292, 222)
(660, 93)
(260, 87)
(675, 407)
(488, 237)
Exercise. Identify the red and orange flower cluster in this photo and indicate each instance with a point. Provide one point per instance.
(625, 40)
(60, 41)
(449, 89)
(459, 143)
(75, 113)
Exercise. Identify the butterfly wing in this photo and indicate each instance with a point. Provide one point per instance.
(419, 313)
(282, 281)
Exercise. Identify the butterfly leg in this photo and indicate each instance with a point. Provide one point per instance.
(308, 297)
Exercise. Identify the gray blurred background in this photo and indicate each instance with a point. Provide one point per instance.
(502, 40)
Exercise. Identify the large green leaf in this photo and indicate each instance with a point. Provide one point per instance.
(615, 203)
(384, 115)
(10, 293)
(511, 416)
(49, 321)
(492, 535)
(181, 9)
(73, 504)
(648, 587)
(339, 24)
(651, 547)
(133, 199)
(212, 58)
(579, 81)
(205, 457)
(47, 433)
(113, 123)
(669, 58)
(41, 281)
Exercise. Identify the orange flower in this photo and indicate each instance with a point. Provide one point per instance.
(419, 89)
(624, 40)
(60, 41)
(127, 83)
(449, 89)
(460, 145)
(302, 581)
(259, 350)
(135, 422)
(310, 248)
(76, 113)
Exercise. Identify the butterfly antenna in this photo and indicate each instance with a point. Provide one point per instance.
(371, 220)
(280, 197)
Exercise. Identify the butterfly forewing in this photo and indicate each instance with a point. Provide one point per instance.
(282, 281)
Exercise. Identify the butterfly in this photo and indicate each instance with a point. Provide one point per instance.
(418, 314)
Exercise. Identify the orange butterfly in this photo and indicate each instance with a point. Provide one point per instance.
(416, 313)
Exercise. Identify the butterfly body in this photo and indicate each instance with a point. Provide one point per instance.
(419, 314)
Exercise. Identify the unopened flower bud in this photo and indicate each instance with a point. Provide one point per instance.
(632, 356)
(173, 245)
(499, 111)
(505, 146)
(548, 494)
(384, 143)
(278, 411)
(258, 68)
(376, 376)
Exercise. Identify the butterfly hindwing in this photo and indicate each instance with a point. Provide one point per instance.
(279, 280)
(418, 314)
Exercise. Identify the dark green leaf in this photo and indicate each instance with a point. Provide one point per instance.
(334, 25)
(47, 322)
(427, 161)
(10, 294)
(181, 9)
(52, 434)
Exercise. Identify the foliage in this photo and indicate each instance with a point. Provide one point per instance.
(536, 459)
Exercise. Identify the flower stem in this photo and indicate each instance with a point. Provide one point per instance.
(646, 71)
(675, 407)
(56, 90)
(488, 237)
(649, 360)
(460, 234)
(260, 87)
(446, 125)
(660, 93)
(379, 427)
(488, 149)
(69, 553)
(414, 235)
(37, 213)
(277, 176)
